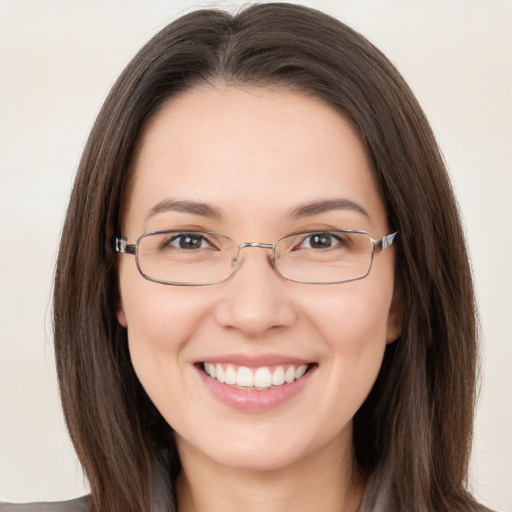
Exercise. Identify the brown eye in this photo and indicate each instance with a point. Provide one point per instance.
(320, 241)
(188, 241)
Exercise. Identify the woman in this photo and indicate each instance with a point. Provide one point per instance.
(297, 328)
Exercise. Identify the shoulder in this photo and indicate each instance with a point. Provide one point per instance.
(78, 505)
(378, 497)
(481, 508)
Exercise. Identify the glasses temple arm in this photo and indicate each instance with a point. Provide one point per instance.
(386, 241)
(119, 244)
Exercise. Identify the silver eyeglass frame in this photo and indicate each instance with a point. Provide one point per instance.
(121, 246)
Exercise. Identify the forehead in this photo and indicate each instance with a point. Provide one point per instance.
(238, 148)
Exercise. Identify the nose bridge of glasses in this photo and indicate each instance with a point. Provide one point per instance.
(257, 245)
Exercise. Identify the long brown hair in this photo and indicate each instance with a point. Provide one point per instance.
(413, 433)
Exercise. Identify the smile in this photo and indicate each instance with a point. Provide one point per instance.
(255, 378)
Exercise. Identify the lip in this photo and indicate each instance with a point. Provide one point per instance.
(253, 400)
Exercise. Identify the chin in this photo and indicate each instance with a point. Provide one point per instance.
(258, 461)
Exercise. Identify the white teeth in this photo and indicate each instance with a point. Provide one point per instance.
(278, 376)
(289, 376)
(261, 378)
(230, 376)
(220, 373)
(300, 371)
(245, 377)
(210, 370)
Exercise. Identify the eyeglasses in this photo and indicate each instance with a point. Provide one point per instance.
(198, 258)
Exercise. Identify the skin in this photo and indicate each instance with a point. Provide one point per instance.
(255, 154)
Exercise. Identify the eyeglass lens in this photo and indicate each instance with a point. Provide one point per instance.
(207, 258)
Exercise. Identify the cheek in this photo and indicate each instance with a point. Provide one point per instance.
(353, 329)
(355, 314)
(160, 320)
(156, 315)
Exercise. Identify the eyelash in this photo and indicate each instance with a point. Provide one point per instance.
(183, 236)
(336, 238)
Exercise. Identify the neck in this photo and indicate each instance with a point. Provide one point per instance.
(327, 481)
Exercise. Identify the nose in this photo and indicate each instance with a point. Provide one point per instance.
(256, 299)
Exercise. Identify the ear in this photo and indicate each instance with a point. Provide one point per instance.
(396, 316)
(121, 317)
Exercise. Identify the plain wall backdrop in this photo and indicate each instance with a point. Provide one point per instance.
(58, 60)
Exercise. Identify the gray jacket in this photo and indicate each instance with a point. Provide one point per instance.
(375, 499)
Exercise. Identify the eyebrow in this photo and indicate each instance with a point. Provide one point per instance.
(193, 207)
(318, 207)
(206, 210)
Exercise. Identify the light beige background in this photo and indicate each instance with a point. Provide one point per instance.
(57, 62)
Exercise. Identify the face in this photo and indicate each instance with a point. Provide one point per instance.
(255, 156)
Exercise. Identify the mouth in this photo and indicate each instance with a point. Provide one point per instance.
(260, 378)
(256, 384)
